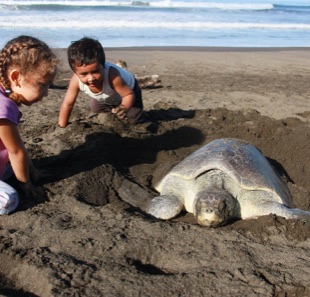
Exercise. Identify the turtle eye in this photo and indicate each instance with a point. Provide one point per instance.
(222, 206)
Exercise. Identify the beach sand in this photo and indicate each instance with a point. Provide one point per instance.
(85, 241)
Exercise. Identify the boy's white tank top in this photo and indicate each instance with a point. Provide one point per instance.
(108, 95)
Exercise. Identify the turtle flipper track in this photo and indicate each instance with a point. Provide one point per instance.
(134, 195)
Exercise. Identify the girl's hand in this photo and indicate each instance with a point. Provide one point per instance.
(35, 174)
(41, 174)
(33, 192)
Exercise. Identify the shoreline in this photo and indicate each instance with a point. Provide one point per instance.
(206, 49)
(201, 48)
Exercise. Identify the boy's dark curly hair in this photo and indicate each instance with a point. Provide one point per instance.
(84, 52)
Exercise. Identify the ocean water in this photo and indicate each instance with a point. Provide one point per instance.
(126, 23)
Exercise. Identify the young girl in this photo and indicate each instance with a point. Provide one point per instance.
(27, 68)
(110, 87)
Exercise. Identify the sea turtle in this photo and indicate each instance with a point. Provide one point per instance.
(225, 180)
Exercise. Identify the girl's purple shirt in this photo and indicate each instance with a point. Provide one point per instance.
(8, 110)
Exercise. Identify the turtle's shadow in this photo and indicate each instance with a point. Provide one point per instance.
(280, 169)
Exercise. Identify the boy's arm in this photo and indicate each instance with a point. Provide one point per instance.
(68, 102)
(118, 84)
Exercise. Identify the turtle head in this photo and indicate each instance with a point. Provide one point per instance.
(213, 207)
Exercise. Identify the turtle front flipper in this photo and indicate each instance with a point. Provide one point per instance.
(257, 203)
(165, 207)
(290, 213)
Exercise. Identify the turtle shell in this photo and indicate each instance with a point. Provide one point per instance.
(240, 160)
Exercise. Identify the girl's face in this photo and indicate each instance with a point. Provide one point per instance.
(91, 75)
(33, 88)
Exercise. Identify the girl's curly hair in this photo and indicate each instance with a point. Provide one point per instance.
(30, 56)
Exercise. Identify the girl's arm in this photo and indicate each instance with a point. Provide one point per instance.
(17, 152)
(20, 161)
(68, 102)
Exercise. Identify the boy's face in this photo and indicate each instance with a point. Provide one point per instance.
(91, 75)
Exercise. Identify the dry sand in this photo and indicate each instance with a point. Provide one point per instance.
(85, 241)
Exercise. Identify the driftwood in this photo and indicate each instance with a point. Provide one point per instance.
(146, 81)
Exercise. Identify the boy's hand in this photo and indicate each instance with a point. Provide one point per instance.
(120, 111)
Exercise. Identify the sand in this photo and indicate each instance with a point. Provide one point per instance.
(85, 241)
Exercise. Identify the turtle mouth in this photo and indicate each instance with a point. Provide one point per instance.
(212, 221)
(210, 215)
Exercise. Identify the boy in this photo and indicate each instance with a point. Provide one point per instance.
(111, 88)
